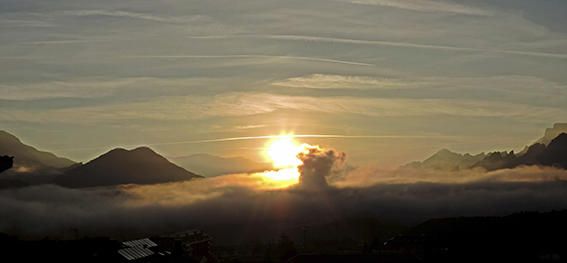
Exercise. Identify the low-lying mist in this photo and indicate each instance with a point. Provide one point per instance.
(249, 205)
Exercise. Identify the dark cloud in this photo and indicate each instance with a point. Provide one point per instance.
(317, 165)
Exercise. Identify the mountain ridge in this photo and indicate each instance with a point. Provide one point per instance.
(118, 166)
(552, 154)
(445, 159)
(552, 133)
(29, 159)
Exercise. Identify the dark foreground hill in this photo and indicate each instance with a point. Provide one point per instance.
(523, 237)
(119, 166)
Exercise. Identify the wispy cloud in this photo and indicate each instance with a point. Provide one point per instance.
(31, 58)
(519, 88)
(132, 15)
(65, 41)
(373, 65)
(248, 127)
(425, 6)
(252, 103)
(91, 87)
(65, 89)
(266, 137)
(25, 23)
(327, 81)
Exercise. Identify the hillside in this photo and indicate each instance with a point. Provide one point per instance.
(28, 159)
(120, 166)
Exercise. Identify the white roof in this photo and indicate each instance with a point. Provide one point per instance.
(133, 253)
(146, 242)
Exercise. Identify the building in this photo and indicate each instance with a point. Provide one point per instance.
(143, 250)
(193, 243)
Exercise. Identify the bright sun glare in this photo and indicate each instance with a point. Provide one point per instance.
(282, 151)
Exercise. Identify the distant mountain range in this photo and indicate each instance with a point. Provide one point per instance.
(448, 160)
(550, 150)
(144, 166)
(119, 166)
(211, 165)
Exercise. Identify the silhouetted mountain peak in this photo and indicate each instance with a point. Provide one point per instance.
(444, 155)
(536, 147)
(144, 149)
(116, 151)
(552, 133)
(445, 159)
(121, 166)
(530, 155)
(28, 158)
(556, 152)
(136, 155)
(551, 150)
(8, 137)
(446, 152)
(497, 160)
(560, 140)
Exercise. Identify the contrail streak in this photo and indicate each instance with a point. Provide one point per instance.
(331, 136)
(389, 43)
(242, 56)
(264, 137)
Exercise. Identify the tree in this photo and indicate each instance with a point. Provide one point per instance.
(6, 162)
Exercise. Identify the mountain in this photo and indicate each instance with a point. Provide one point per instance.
(552, 153)
(531, 155)
(119, 166)
(448, 161)
(211, 165)
(556, 152)
(27, 159)
(552, 133)
(498, 160)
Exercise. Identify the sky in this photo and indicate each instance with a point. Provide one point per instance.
(396, 80)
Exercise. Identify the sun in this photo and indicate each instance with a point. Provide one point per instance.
(282, 151)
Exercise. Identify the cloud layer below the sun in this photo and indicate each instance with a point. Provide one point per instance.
(401, 195)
